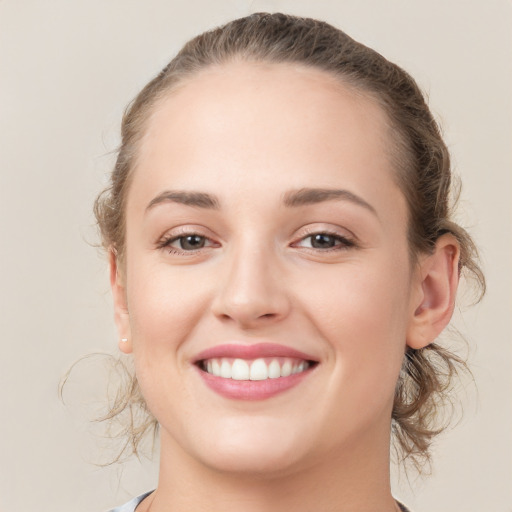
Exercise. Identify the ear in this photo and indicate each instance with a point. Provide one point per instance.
(121, 315)
(437, 287)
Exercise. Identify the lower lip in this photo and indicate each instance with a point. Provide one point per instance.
(252, 389)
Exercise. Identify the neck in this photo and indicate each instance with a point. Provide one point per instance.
(353, 480)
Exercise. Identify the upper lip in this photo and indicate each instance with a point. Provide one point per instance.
(254, 351)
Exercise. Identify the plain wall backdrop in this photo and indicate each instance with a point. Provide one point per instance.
(67, 70)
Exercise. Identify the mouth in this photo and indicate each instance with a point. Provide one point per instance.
(253, 372)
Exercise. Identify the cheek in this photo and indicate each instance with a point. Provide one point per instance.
(364, 318)
(365, 327)
(164, 306)
(164, 310)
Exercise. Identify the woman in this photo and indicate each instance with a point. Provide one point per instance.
(282, 259)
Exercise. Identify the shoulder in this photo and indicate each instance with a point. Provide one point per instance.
(132, 504)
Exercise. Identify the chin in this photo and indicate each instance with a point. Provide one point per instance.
(256, 462)
(254, 447)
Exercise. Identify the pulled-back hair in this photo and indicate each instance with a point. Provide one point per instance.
(422, 171)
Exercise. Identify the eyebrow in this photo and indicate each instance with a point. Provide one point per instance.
(196, 199)
(291, 199)
(306, 196)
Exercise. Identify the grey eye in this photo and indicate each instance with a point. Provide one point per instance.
(191, 242)
(323, 241)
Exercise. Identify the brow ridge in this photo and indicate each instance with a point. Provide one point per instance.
(291, 199)
(306, 196)
(188, 198)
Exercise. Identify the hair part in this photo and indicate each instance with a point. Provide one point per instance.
(418, 153)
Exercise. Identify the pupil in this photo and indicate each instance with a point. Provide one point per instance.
(192, 242)
(322, 241)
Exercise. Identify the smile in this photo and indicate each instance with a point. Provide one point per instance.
(258, 369)
(253, 372)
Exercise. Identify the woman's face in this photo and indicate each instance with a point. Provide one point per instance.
(266, 236)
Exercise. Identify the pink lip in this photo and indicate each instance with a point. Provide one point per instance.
(250, 389)
(255, 351)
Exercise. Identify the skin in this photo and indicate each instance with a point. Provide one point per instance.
(249, 134)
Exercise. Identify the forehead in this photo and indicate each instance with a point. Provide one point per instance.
(252, 95)
(264, 126)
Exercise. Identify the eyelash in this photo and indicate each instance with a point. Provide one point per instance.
(342, 243)
(166, 241)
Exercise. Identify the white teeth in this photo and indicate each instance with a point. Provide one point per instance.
(286, 369)
(274, 370)
(239, 370)
(225, 370)
(259, 369)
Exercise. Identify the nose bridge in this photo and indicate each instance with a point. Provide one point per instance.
(251, 291)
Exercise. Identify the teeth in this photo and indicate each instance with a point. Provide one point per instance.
(225, 370)
(274, 370)
(259, 369)
(286, 369)
(239, 370)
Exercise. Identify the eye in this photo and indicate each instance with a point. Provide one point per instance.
(325, 241)
(185, 243)
(190, 242)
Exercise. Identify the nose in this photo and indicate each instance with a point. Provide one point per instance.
(252, 290)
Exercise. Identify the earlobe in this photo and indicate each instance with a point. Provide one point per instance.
(121, 315)
(438, 282)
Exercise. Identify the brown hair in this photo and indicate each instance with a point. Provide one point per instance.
(419, 154)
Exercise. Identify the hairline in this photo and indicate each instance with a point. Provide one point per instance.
(398, 153)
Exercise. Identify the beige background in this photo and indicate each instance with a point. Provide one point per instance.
(67, 69)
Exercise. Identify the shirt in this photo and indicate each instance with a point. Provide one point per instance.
(132, 504)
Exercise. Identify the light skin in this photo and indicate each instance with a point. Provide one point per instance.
(281, 175)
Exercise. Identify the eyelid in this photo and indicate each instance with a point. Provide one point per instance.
(174, 234)
(336, 231)
(346, 238)
(343, 242)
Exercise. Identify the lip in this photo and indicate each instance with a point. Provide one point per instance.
(250, 389)
(255, 351)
